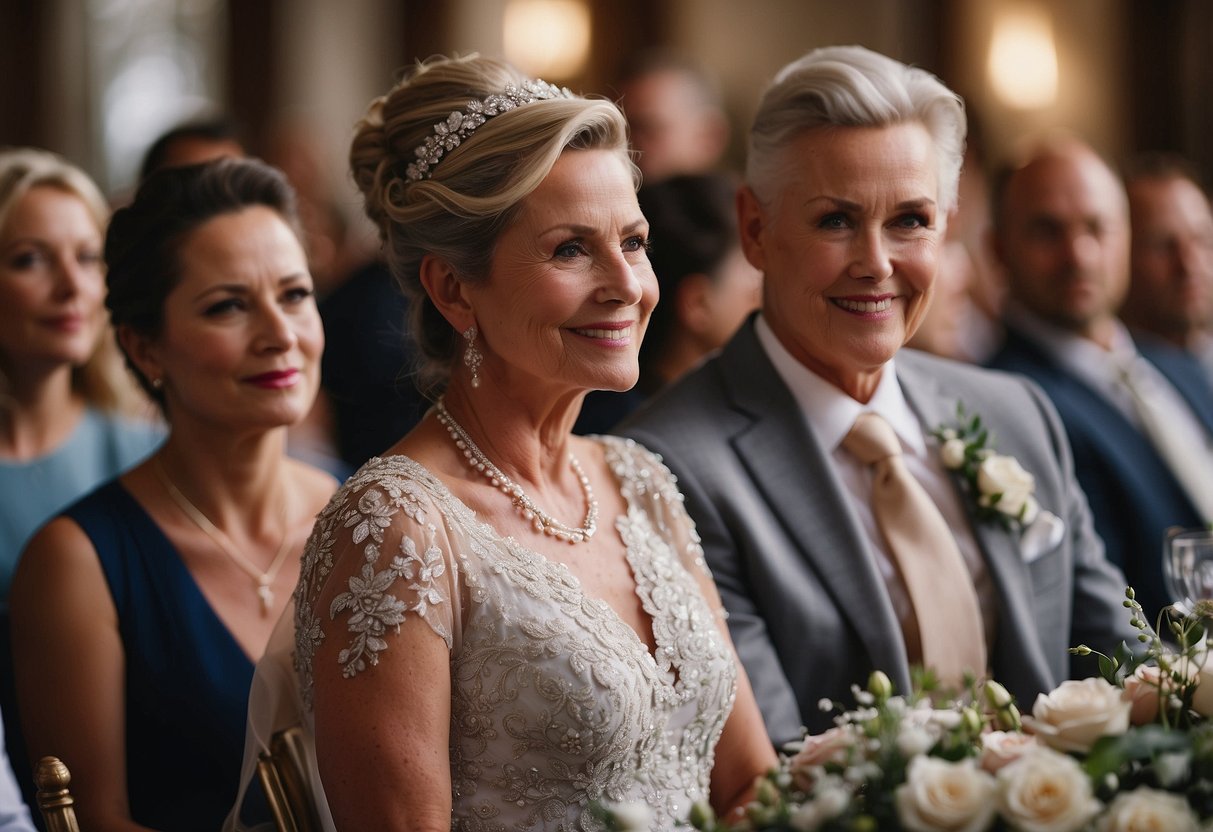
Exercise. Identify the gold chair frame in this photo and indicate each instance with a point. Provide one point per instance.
(55, 801)
(283, 773)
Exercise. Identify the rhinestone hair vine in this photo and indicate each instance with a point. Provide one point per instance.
(460, 124)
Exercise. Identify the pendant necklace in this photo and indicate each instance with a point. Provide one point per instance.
(540, 519)
(263, 580)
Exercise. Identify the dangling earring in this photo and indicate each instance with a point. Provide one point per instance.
(472, 356)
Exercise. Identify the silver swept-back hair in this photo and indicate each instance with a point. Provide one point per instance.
(850, 86)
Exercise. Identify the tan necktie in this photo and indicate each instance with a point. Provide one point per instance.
(940, 587)
(1158, 425)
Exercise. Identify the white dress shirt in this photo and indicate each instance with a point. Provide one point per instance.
(830, 413)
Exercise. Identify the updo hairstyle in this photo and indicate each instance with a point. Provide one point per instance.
(145, 239)
(99, 380)
(474, 191)
(850, 86)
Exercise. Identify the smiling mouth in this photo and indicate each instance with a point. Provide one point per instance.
(883, 305)
(606, 334)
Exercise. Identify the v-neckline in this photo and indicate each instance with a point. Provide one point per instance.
(183, 571)
(556, 569)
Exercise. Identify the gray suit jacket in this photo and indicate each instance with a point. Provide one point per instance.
(807, 608)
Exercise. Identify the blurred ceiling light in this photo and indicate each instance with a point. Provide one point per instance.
(1023, 59)
(547, 38)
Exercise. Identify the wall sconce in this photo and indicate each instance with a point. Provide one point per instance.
(1023, 59)
(549, 39)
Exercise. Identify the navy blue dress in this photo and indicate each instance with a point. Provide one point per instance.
(187, 678)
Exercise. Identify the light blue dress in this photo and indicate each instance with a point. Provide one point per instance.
(32, 492)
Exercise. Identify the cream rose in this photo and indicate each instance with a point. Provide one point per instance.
(942, 796)
(952, 453)
(1004, 477)
(833, 746)
(1001, 748)
(1044, 791)
(1077, 713)
(1146, 808)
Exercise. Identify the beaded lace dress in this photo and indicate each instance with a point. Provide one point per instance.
(556, 702)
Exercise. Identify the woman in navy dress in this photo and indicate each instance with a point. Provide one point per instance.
(138, 613)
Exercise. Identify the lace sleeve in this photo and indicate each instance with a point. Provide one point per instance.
(375, 556)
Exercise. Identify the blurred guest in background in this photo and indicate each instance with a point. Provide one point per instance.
(138, 613)
(707, 288)
(806, 450)
(1139, 416)
(1171, 277)
(62, 387)
(676, 121)
(192, 143)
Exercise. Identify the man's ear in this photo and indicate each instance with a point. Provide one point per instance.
(142, 352)
(447, 292)
(751, 223)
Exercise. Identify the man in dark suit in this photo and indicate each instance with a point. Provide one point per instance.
(853, 166)
(1139, 416)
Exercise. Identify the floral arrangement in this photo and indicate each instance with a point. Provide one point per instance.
(1001, 489)
(1129, 749)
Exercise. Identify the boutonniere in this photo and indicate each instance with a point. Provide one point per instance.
(1002, 491)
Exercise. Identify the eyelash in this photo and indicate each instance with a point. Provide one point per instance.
(638, 242)
(832, 220)
(290, 297)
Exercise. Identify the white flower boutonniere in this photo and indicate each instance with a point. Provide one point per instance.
(1001, 489)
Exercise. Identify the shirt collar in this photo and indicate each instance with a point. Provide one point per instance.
(828, 410)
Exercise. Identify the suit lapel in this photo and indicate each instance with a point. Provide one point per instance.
(793, 473)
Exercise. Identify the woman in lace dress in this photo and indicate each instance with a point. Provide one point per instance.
(498, 623)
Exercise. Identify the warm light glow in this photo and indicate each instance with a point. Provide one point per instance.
(549, 39)
(1023, 59)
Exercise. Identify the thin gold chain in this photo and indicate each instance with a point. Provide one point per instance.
(263, 580)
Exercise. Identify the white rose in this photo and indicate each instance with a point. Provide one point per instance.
(942, 795)
(1044, 791)
(1001, 748)
(952, 453)
(1076, 714)
(1146, 808)
(1004, 476)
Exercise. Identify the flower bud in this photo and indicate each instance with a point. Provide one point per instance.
(702, 815)
(971, 720)
(997, 696)
(1081, 650)
(766, 793)
(880, 686)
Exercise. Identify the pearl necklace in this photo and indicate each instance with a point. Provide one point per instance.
(540, 519)
(263, 580)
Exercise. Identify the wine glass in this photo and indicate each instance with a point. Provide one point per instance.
(1187, 566)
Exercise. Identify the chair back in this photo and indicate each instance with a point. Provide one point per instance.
(55, 801)
(283, 773)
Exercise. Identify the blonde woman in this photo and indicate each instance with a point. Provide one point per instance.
(499, 623)
(62, 389)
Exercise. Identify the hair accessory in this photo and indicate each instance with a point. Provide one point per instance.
(263, 580)
(472, 356)
(540, 519)
(460, 124)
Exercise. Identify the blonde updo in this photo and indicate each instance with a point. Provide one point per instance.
(474, 192)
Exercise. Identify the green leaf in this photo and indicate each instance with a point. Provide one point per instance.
(1109, 754)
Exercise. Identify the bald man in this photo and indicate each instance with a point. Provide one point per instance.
(1139, 417)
